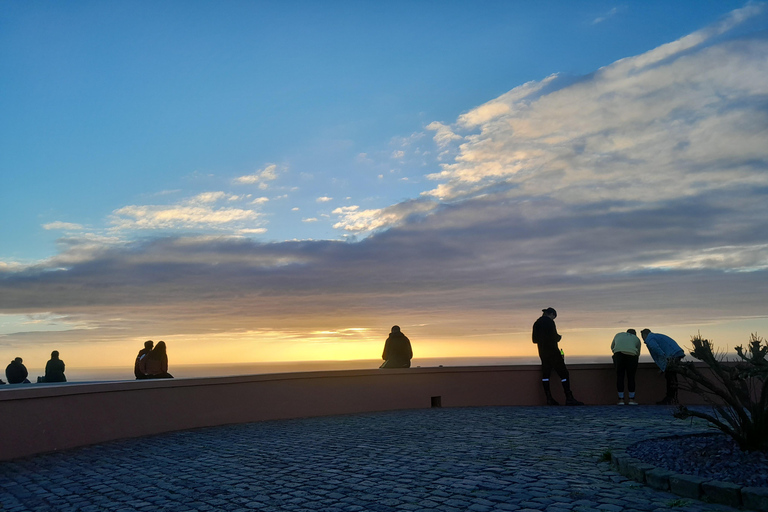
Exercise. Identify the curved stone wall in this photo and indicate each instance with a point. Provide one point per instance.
(39, 418)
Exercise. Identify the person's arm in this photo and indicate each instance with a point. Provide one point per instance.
(165, 364)
(386, 349)
(410, 349)
(658, 355)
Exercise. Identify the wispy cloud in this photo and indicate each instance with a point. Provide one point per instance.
(609, 14)
(64, 226)
(261, 177)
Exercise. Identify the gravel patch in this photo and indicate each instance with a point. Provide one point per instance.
(712, 456)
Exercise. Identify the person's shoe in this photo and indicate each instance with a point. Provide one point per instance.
(621, 402)
(552, 401)
(632, 402)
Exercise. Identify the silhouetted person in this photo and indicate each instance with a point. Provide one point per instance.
(546, 338)
(626, 354)
(136, 366)
(397, 350)
(154, 365)
(54, 369)
(664, 349)
(16, 372)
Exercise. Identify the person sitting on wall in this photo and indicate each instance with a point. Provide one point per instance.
(626, 354)
(664, 349)
(154, 365)
(397, 350)
(136, 366)
(16, 372)
(54, 369)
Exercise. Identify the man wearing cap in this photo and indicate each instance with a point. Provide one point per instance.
(546, 338)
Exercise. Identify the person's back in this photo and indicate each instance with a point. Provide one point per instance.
(626, 343)
(155, 363)
(397, 350)
(662, 347)
(16, 372)
(138, 366)
(544, 334)
(54, 369)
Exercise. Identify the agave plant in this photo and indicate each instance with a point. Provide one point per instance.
(736, 390)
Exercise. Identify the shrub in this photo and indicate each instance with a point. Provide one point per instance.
(737, 391)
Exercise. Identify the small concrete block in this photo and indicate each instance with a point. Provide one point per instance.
(636, 470)
(755, 498)
(615, 456)
(686, 485)
(722, 492)
(658, 478)
(625, 463)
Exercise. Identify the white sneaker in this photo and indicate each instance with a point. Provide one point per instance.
(632, 402)
(621, 402)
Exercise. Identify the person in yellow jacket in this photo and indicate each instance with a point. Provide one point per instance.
(626, 353)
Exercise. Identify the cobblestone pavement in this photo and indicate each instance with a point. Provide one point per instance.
(464, 459)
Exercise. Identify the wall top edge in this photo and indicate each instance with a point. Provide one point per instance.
(31, 391)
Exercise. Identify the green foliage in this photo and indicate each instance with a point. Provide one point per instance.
(737, 390)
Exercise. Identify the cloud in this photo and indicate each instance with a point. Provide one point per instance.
(58, 225)
(179, 217)
(609, 14)
(310, 219)
(352, 219)
(674, 122)
(324, 199)
(260, 177)
(443, 133)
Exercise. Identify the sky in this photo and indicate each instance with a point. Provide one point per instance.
(280, 181)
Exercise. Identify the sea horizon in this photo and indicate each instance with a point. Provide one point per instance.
(186, 371)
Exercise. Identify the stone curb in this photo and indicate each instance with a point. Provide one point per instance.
(688, 486)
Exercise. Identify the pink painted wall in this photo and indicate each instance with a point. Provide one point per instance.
(40, 418)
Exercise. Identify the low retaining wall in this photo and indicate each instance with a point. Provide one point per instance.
(39, 418)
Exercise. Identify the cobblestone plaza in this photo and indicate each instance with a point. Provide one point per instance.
(449, 460)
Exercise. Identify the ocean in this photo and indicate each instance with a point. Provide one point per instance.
(118, 373)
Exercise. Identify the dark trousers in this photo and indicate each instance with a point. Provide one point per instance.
(672, 385)
(625, 364)
(551, 359)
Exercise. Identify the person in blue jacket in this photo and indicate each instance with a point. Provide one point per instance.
(664, 349)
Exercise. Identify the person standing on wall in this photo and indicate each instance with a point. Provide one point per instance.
(626, 354)
(546, 338)
(664, 349)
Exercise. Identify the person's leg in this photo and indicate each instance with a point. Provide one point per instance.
(619, 362)
(671, 395)
(562, 371)
(546, 371)
(631, 372)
